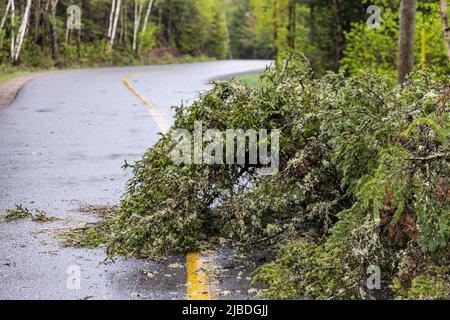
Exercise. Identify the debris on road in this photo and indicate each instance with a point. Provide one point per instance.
(20, 212)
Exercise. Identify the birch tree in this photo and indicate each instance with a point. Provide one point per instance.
(13, 22)
(114, 24)
(22, 31)
(445, 26)
(147, 15)
(408, 10)
(111, 17)
(2, 22)
(137, 21)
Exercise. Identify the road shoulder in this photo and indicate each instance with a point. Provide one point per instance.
(10, 88)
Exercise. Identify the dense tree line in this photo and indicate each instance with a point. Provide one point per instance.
(333, 34)
(42, 32)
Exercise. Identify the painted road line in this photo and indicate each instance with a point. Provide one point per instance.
(198, 287)
(198, 281)
(160, 119)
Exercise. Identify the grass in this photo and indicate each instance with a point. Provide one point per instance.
(253, 79)
(8, 72)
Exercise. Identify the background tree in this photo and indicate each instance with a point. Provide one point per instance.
(445, 26)
(22, 31)
(406, 39)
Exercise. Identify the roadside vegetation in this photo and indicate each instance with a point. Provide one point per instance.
(363, 181)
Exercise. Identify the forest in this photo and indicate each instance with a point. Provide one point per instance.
(333, 34)
(362, 102)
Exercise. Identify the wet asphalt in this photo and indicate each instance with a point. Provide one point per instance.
(62, 144)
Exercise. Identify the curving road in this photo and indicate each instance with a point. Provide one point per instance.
(62, 144)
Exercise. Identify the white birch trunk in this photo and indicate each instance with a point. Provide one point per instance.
(2, 22)
(137, 21)
(13, 22)
(111, 17)
(22, 31)
(114, 26)
(147, 15)
(445, 26)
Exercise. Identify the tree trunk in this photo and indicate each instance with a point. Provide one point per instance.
(13, 21)
(445, 26)
(121, 34)
(312, 23)
(111, 18)
(338, 32)
(147, 15)
(37, 21)
(2, 22)
(54, 29)
(292, 24)
(169, 24)
(275, 33)
(22, 32)
(125, 25)
(137, 22)
(160, 17)
(114, 26)
(406, 42)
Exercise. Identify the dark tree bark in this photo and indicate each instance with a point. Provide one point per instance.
(54, 29)
(406, 39)
(275, 31)
(312, 22)
(292, 23)
(338, 32)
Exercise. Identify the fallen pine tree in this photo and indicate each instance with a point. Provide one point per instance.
(363, 181)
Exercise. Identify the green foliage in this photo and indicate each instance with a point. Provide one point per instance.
(93, 236)
(180, 29)
(196, 27)
(376, 49)
(363, 171)
(431, 286)
(306, 268)
(252, 79)
(19, 212)
(147, 40)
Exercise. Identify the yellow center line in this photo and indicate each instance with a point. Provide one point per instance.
(160, 119)
(198, 282)
(198, 287)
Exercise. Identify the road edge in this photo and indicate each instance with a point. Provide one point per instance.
(11, 88)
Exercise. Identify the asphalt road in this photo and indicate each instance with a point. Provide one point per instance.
(62, 144)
